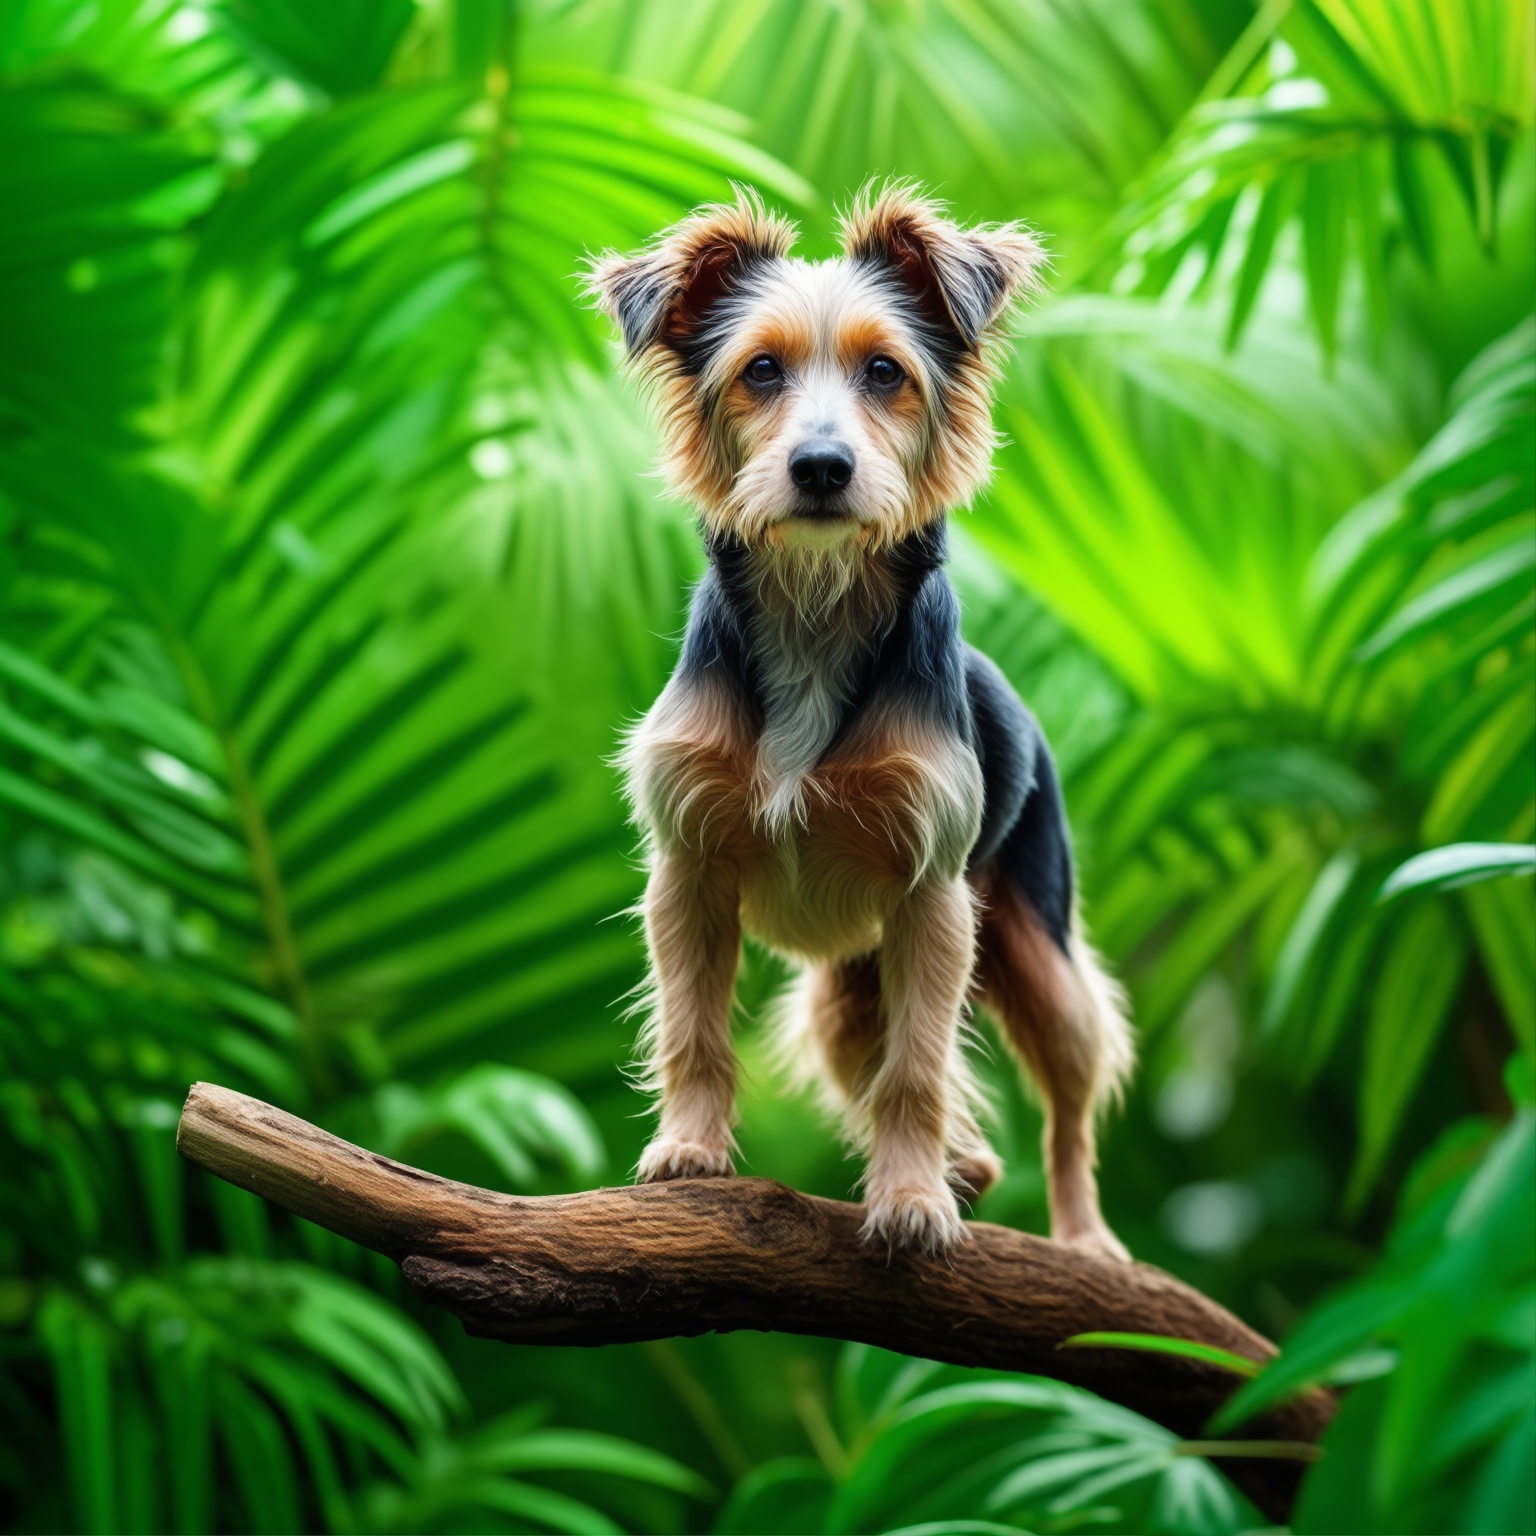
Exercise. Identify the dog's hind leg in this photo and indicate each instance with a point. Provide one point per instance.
(833, 1020)
(1064, 1017)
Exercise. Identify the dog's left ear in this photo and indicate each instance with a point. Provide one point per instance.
(965, 279)
(662, 296)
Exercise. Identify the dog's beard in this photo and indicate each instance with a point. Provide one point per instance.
(819, 611)
(812, 577)
(816, 533)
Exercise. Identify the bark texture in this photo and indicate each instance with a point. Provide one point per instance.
(711, 1255)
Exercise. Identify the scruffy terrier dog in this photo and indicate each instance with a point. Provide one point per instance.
(830, 767)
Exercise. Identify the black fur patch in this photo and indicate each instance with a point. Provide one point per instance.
(1036, 853)
(957, 292)
(715, 644)
(1007, 743)
(932, 327)
(654, 303)
(640, 293)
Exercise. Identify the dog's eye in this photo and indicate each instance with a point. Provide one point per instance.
(763, 370)
(884, 373)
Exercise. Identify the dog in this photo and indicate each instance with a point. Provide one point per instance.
(830, 767)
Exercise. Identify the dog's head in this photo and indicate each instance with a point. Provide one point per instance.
(827, 402)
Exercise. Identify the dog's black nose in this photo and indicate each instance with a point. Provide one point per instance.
(821, 466)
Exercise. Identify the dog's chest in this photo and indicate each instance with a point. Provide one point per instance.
(806, 683)
(823, 841)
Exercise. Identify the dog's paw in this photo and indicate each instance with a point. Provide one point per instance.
(667, 1158)
(974, 1174)
(1096, 1240)
(927, 1219)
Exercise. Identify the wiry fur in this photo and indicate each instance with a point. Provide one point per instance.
(814, 624)
(830, 767)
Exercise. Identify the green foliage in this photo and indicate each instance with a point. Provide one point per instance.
(459, 1481)
(926, 1446)
(1161, 1344)
(1450, 868)
(1348, 121)
(338, 48)
(1279, 666)
(329, 573)
(1012, 104)
(1448, 1318)
(258, 737)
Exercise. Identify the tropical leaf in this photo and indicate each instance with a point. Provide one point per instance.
(1158, 1344)
(1032, 109)
(486, 1472)
(1105, 503)
(788, 1494)
(93, 185)
(1506, 939)
(340, 48)
(1461, 1267)
(1459, 864)
(170, 60)
(936, 1444)
(513, 1117)
(1420, 974)
(1356, 104)
(211, 1337)
(936, 1449)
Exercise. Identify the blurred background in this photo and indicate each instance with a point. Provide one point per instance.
(331, 569)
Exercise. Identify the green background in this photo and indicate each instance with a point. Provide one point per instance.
(331, 572)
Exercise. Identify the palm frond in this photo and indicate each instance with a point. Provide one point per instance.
(1041, 110)
(1357, 108)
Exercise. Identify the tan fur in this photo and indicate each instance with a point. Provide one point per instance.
(957, 461)
(891, 809)
(832, 307)
(698, 462)
(833, 1021)
(693, 932)
(687, 765)
(1065, 1019)
(875, 864)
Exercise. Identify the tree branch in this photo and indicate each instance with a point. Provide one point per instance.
(668, 1260)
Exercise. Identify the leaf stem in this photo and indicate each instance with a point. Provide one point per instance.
(286, 959)
(702, 1408)
(498, 87)
(1263, 1450)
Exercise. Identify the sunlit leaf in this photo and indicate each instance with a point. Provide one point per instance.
(1420, 974)
(1445, 869)
(1153, 1343)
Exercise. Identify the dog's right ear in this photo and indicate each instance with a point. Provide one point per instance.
(965, 280)
(662, 295)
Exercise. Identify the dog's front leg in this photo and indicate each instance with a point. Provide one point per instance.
(926, 957)
(693, 931)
